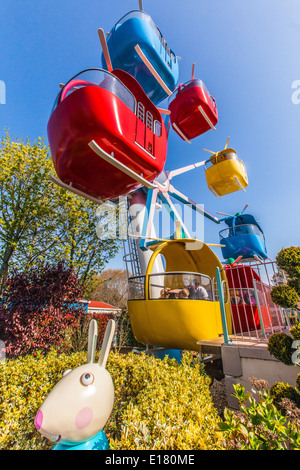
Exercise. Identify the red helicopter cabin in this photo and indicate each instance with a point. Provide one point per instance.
(193, 110)
(106, 137)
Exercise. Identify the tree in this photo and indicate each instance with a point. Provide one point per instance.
(27, 203)
(39, 307)
(286, 294)
(40, 221)
(111, 287)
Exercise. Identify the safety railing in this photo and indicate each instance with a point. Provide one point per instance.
(254, 316)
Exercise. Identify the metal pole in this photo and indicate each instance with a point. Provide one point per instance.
(222, 306)
(258, 307)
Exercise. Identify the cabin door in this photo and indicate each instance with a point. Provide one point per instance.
(144, 129)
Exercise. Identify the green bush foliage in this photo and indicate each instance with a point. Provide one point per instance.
(163, 405)
(158, 404)
(295, 331)
(298, 383)
(281, 390)
(280, 346)
(288, 259)
(259, 425)
(285, 296)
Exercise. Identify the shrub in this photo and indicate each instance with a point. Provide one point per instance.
(281, 390)
(76, 340)
(288, 259)
(158, 404)
(285, 296)
(39, 306)
(298, 382)
(259, 426)
(295, 331)
(125, 336)
(24, 384)
(162, 405)
(280, 346)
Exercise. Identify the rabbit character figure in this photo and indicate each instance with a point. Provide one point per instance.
(77, 408)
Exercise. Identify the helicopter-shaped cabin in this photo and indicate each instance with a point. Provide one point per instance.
(244, 238)
(137, 28)
(225, 172)
(179, 306)
(245, 314)
(193, 110)
(106, 136)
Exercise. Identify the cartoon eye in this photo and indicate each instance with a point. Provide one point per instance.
(87, 379)
(66, 372)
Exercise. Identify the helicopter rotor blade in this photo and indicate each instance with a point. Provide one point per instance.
(193, 70)
(244, 208)
(227, 141)
(102, 38)
(209, 151)
(152, 70)
(223, 213)
(141, 5)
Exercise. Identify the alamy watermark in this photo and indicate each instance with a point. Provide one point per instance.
(296, 354)
(2, 351)
(296, 94)
(2, 92)
(119, 222)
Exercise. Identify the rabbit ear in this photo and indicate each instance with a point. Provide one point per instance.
(92, 342)
(107, 340)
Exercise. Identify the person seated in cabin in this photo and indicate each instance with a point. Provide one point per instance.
(190, 287)
(200, 292)
(250, 299)
(238, 298)
(184, 294)
(223, 156)
(165, 293)
(168, 293)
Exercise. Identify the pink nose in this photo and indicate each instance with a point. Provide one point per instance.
(38, 420)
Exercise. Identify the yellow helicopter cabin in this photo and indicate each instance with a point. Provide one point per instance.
(178, 305)
(225, 173)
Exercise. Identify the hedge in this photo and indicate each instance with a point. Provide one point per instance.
(158, 404)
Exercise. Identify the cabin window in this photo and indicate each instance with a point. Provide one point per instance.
(140, 125)
(247, 229)
(99, 78)
(115, 86)
(149, 121)
(225, 291)
(180, 285)
(157, 128)
(242, 296)
(141, 112)
(136, 288)
(215, 290)
(132, 15)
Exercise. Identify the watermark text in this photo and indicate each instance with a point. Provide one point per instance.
(2, 92)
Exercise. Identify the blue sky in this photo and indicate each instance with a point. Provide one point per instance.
(246, 52)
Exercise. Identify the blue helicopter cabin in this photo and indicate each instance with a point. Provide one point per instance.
(137, 28)
(243, 238)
